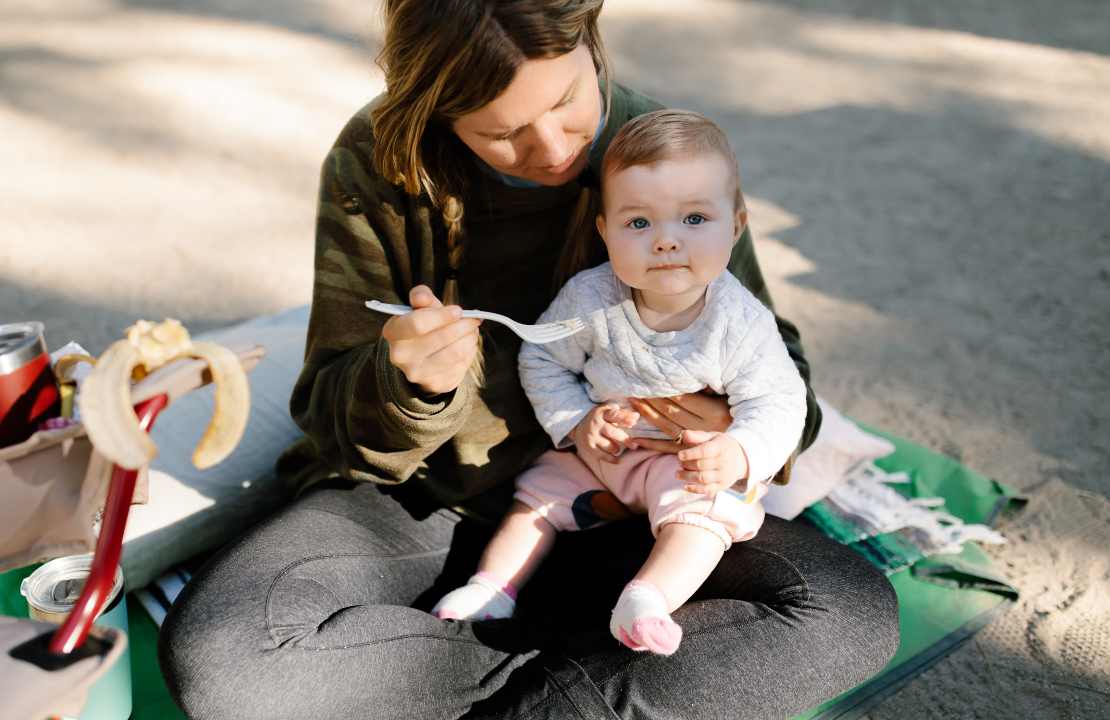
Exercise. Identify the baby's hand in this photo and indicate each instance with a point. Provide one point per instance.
(601, 434)
(715, 462)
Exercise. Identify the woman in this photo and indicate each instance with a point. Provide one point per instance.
(460, 185)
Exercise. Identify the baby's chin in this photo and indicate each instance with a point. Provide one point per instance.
(663, 282)
(667, 294)
(674, 282)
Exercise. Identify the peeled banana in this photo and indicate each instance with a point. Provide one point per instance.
(105, 397)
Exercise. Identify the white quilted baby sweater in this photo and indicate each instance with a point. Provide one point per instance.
(733, 348)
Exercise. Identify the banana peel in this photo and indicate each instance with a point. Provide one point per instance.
(65, 369)
(105, 399)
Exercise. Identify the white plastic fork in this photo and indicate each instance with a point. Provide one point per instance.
(536, 334)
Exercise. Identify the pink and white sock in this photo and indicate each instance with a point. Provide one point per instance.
(484, 597)
(641, 621)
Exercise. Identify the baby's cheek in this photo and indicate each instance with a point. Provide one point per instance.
(711, 264)
(624, 266)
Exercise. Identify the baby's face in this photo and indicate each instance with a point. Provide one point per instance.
(669, 227)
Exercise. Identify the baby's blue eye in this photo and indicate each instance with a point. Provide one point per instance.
(694, 219)
(638, 223)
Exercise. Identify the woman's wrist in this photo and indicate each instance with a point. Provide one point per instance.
(412, 399)
(428, 396)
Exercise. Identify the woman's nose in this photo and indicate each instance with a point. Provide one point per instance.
(551, 146)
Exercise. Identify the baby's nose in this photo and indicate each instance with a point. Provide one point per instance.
(665, 243)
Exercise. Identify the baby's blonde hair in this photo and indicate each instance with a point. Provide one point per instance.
(666, 135)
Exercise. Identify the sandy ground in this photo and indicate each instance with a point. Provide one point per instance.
(928, 185)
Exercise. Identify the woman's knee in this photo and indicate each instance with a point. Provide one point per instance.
(189, 657)
(836, 593)
(227, 664)
(295, 647)
(859, 608)
(206, 648)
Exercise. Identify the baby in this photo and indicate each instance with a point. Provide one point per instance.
(664, 317)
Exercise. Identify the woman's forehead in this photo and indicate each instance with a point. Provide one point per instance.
(539, 85)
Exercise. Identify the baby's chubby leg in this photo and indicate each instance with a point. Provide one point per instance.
(693, 531)
(683, 557)
(513, 554)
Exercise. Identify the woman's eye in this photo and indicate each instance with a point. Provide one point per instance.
(638, 223)
(694, 219)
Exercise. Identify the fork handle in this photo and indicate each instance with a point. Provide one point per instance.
(391, 309)
(388, 308)
(483, 315)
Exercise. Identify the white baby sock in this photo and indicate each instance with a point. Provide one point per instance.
(482, 598)
(641, 621)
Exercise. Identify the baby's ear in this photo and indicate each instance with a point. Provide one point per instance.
(740, 224)
(599, 222)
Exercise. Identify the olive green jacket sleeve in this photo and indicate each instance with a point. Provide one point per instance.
(364, 417)
(744, 265)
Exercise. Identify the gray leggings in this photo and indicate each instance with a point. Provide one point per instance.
(320, 612)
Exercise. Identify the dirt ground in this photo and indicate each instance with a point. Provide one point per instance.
(928, 184)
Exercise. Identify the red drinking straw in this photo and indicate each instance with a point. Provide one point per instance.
(109, 545)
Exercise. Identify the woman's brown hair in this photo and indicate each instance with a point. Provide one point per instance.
(646, 140)
(445, 58)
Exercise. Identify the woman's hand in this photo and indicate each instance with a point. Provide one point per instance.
(433, 346)
(601, 434)
(711, 462)
(693, 411)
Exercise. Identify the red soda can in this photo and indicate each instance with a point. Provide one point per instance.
(28, 390)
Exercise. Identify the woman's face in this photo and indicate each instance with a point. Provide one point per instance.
(540, 128)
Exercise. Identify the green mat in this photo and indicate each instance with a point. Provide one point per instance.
(943, 600)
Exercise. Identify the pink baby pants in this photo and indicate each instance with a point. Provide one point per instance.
(573, 493)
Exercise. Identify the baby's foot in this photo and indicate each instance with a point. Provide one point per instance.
(641, 621)
(482, 598)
